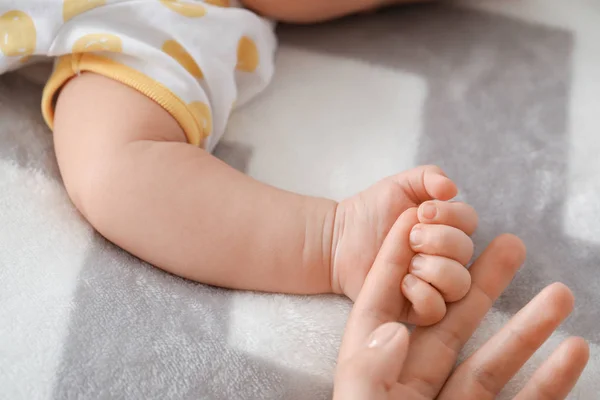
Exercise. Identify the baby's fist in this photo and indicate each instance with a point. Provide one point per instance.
(440, 241)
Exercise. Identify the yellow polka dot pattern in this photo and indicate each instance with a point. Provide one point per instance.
(18, 36)
(247, 55)
(195, 10)
(203, 117)
(98, 42)
(72, 8)
(179, 54)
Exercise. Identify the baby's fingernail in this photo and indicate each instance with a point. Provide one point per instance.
(417, 263)
(410, 281)
(383, 335)
(429, 211)
(416, 237)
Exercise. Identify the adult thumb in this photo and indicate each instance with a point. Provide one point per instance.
(374, 368)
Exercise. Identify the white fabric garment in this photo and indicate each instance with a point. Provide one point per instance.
(212, 52)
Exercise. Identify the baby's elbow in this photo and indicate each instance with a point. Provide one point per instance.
(88, 189)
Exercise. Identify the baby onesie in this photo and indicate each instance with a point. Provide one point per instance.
(197, 59)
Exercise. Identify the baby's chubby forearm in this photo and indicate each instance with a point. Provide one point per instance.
(138, 182)
(128, 168)
(215, 225)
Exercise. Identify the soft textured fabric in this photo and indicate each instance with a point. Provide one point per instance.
(197, 59)
(502, 94)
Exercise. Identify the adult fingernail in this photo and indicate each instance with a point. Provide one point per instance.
(416, 237)
(429, 211)
(382, 335)
(409, 281)
(417, 263)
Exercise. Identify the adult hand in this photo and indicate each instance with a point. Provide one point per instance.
(378, 360)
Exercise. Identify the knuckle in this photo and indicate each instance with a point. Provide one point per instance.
(525, 341)
(459, 283)
(487, 379)
(466, 246)
(433, 316)
(378, 315)
(464, 286)
(450, 340)
(543, 392)
(467, 280)
(434, 307)
(470, 246)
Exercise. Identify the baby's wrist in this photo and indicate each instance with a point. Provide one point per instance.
(319, 242)
(335, 233)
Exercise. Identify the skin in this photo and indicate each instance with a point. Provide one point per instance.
(279, 241)
(379, 361)
(196, 217)
(311, 11)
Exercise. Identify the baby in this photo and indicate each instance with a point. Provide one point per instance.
(140, 95)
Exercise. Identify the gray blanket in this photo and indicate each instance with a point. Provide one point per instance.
(502, 94)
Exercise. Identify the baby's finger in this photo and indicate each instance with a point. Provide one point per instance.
(442, 240)
(426, 183)
(458, 215)
(428, 305)
(448, 276)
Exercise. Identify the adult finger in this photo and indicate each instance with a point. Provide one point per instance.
(555, 379)
(374, 368)
(380, 299)
(434, 350)
(456, 214)
(483, 375)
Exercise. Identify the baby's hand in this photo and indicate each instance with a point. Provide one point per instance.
(432, 248)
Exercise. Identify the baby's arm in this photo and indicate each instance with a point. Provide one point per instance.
(310, 11)
(128, 170)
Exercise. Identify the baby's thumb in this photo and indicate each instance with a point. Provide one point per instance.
(375, 367)
(427, 183)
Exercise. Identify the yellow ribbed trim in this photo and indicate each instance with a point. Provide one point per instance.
(62, 73)
(70, 65)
